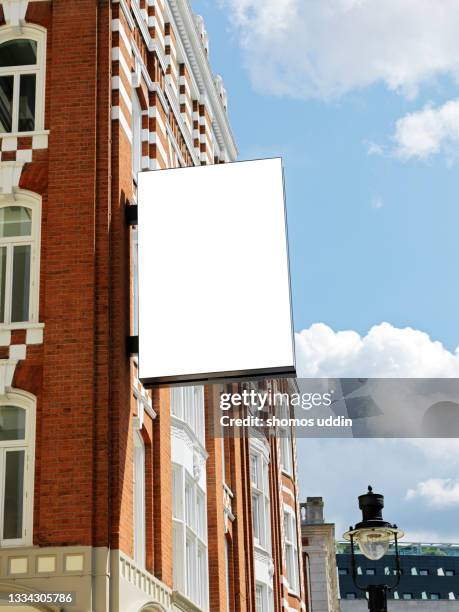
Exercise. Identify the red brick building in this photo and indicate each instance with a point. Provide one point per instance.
(114, 493)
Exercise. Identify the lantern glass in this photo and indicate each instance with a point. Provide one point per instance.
(374, 543)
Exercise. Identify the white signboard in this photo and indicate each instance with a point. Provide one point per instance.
(214, 288)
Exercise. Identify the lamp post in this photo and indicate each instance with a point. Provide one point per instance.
(374, 536)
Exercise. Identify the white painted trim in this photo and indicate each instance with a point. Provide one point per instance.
(117, 26)
(39, 34)
(22, 399)
(117, 56)
(184, 18)
(31, 200)
(117, 115)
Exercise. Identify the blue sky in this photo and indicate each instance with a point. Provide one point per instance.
(372, 238)
(360, 98)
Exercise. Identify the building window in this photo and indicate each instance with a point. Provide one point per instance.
(187, 404)
(17, 418)
(449, 572)
(261, 523)
(285, 439)
(139, 499)
(19, 260)
(370, 571)
(291, 549)
(264, 601)
(435, 596)
(343, 571)
(423, 572)
(22, 81)
(189, 537)
(407, 595)
(351, 596)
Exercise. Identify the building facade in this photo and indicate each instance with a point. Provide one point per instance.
(429, 576)
(122, 496)
(319, 558)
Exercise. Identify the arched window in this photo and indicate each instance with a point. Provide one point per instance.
(22, 80)
(17, 426)
(139, 499)
(19, 255)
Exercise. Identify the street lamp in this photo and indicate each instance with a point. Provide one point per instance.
(374, 536)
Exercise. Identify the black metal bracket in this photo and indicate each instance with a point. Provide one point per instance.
(133, 345)
(132, 214)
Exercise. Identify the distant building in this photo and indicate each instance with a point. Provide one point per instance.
(429, 579)
(319, 560)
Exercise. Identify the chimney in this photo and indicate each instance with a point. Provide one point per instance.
(312, 511)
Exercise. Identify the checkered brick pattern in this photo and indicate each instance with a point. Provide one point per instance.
(21, 148)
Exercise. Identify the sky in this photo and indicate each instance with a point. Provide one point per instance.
(361, 99)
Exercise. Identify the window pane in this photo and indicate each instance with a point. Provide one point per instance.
(190, 569)
(14, 489)
(255, 517)
(12, 423)
(259, 598)
(2, 283)
(27, 103)
(21, 283)
(18, 53)
(177, 502)
(6, 103)
(15, 221)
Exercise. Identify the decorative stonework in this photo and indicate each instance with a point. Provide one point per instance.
(13, 348)
(15, 151)
(14, 11)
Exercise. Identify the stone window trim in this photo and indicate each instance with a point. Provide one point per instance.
(31, 201)
(37, 33)
(291, 549)
(27, 401)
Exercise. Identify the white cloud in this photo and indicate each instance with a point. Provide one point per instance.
(374, 149)
(325, 48)
(385, 351)
(377, 203)
(428, 131)
(437, 492)
(437, 450)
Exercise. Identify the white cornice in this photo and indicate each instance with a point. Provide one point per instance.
(202, 72)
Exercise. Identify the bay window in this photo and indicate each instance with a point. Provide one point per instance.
(264, 601)
(189, 537)
(261, 523)
(291, 549)
(285, 439)
(189, 499)
(16, 468)
(22, 81)
(187, 404)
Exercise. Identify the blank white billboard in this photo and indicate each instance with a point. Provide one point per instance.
(214, 287)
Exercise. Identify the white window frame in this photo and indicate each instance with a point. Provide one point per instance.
(261, 505)
(38, 34)
(189, 534)
(26, 401)
(139, 509)
(285, 440)
(187, 405)
(136, 143)
(291, 549)
(266, 595)
(32, 201)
